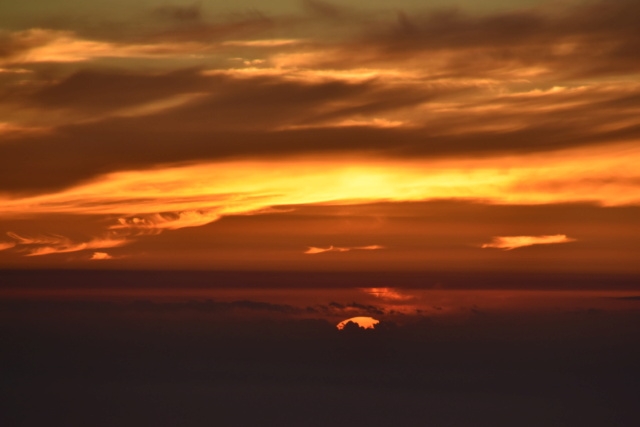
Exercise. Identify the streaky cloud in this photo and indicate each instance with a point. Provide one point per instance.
(55, 244)
(167, 221)
(312, 250)
(513, 242)
(388, 294)
(6, 245)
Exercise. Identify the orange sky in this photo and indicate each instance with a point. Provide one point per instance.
(323, 138)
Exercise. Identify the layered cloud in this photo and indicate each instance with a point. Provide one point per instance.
(186, 118)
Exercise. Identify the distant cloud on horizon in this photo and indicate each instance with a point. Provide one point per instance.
(513, 242)
(100, 256)
(314, 250)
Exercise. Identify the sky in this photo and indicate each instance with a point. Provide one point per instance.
(195, 194)
(315, 136)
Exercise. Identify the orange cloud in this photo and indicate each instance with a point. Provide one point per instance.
(313, 250)
(262, 43)
(387, 294)
(170, 198)
(100, 256)
(6, 245)
(512, 242)
(172, 221)
(45, 45)
(392, 114)
(53, 244)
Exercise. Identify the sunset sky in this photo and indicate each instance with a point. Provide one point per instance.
(201, 200)
(304, 135)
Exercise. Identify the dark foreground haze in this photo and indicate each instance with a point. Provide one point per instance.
(86, 354)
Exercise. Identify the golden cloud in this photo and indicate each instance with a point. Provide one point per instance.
(100, 256)
(314, 250)
(54, 244)
(513, 242)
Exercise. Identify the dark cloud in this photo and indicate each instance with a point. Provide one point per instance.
(255, 117)
(78, 153)
(95, 90)
(235, 115)
(632, 298)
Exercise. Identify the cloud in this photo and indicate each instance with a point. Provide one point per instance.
(388, 294)
(262, 43)
(167, 221)
(39, 45)
(513, 242)
(332, 117)
(313, 250)
(100, 256)
(6, 245)
(53, 244)
(182, 120)
(124, 232)
(146, 202)
(117, 89)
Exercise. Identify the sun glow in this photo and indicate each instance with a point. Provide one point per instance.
(362, 321)
(237, 187)
(147, 202)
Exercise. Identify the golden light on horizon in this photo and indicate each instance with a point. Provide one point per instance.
(361, 321)
(513, 242)
(146, 202)
(243, 186)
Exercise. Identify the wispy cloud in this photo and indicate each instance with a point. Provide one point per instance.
(512, 242)
(45, 45)
(388, 294)
(314, 250)
(53, 243)
(167, 221)
(6, 245)
(262, 43)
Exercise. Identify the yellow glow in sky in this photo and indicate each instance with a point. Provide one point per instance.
(363, 322)
(150, 201)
